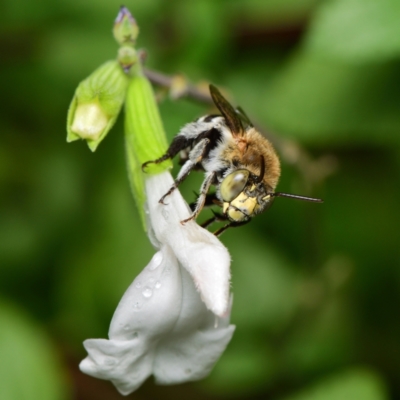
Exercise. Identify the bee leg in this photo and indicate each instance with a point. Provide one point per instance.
(220, 231)
(195, 156)
(183, 173)
(211, 200)
(216, 218)
(202, 197)
(179, 143)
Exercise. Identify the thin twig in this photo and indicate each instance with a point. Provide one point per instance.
(190, 91)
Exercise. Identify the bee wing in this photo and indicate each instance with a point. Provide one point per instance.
(231, 117)
(243, 116)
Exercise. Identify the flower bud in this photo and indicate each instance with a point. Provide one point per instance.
(127, 56)
(125, 28)
(96, 104)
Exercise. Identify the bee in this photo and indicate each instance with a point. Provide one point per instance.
(240, 162)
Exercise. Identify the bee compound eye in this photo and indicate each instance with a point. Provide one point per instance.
(234, 184)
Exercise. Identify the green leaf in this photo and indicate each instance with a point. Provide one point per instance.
(352, 384)
(356, 30)
(29, 367)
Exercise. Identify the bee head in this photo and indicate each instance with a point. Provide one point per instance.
(243, 195)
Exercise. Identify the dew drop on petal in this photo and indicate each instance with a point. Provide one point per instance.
(137, 305)
(147, 292)
(157, 285)
(151, 280)
(156, 261)
(135, 335)
(126, 328)
(138, 285)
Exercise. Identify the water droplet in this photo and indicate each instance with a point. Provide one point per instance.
(151, 280)
(156, 261)
(138, 284)
(165, 213)
(126, 328)
(147, 292)
(157, 285)
(135, 335)
(137, 305)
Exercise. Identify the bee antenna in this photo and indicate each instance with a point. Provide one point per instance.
(262, 170)
(297, 197)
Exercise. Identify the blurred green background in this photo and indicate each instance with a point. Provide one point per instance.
(316, 287)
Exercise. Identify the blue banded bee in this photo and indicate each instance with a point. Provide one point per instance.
(240, 162)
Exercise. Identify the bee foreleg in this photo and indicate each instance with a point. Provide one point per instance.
(183, 173)
(202, 196)
(179, 143)
(220, 231)
(195, 156)
(216, 218)
(198, 151)
(211, 200)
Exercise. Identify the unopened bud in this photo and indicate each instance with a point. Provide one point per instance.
(125, 28)
(127, 56)
(96, 104)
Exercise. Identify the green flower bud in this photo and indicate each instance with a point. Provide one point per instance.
(125, 28)
(144, 136)
(127, 56)
(96, 104)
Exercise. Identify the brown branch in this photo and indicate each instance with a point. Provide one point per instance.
(167, 81)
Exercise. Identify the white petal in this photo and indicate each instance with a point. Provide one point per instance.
(199, 251)
(152, 302)
(127, 364)
(196, 343)
(148, 310)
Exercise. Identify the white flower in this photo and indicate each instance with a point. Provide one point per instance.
(163, 325)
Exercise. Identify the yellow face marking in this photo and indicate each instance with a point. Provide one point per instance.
(225, 207)
(236, 215)
(266, 197)
(245, 203)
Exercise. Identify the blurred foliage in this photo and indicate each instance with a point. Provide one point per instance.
(316, 287)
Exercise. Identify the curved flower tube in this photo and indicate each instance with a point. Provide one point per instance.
(173, 321)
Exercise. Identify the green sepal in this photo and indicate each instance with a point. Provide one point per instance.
(96, 104)
(144, 135)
